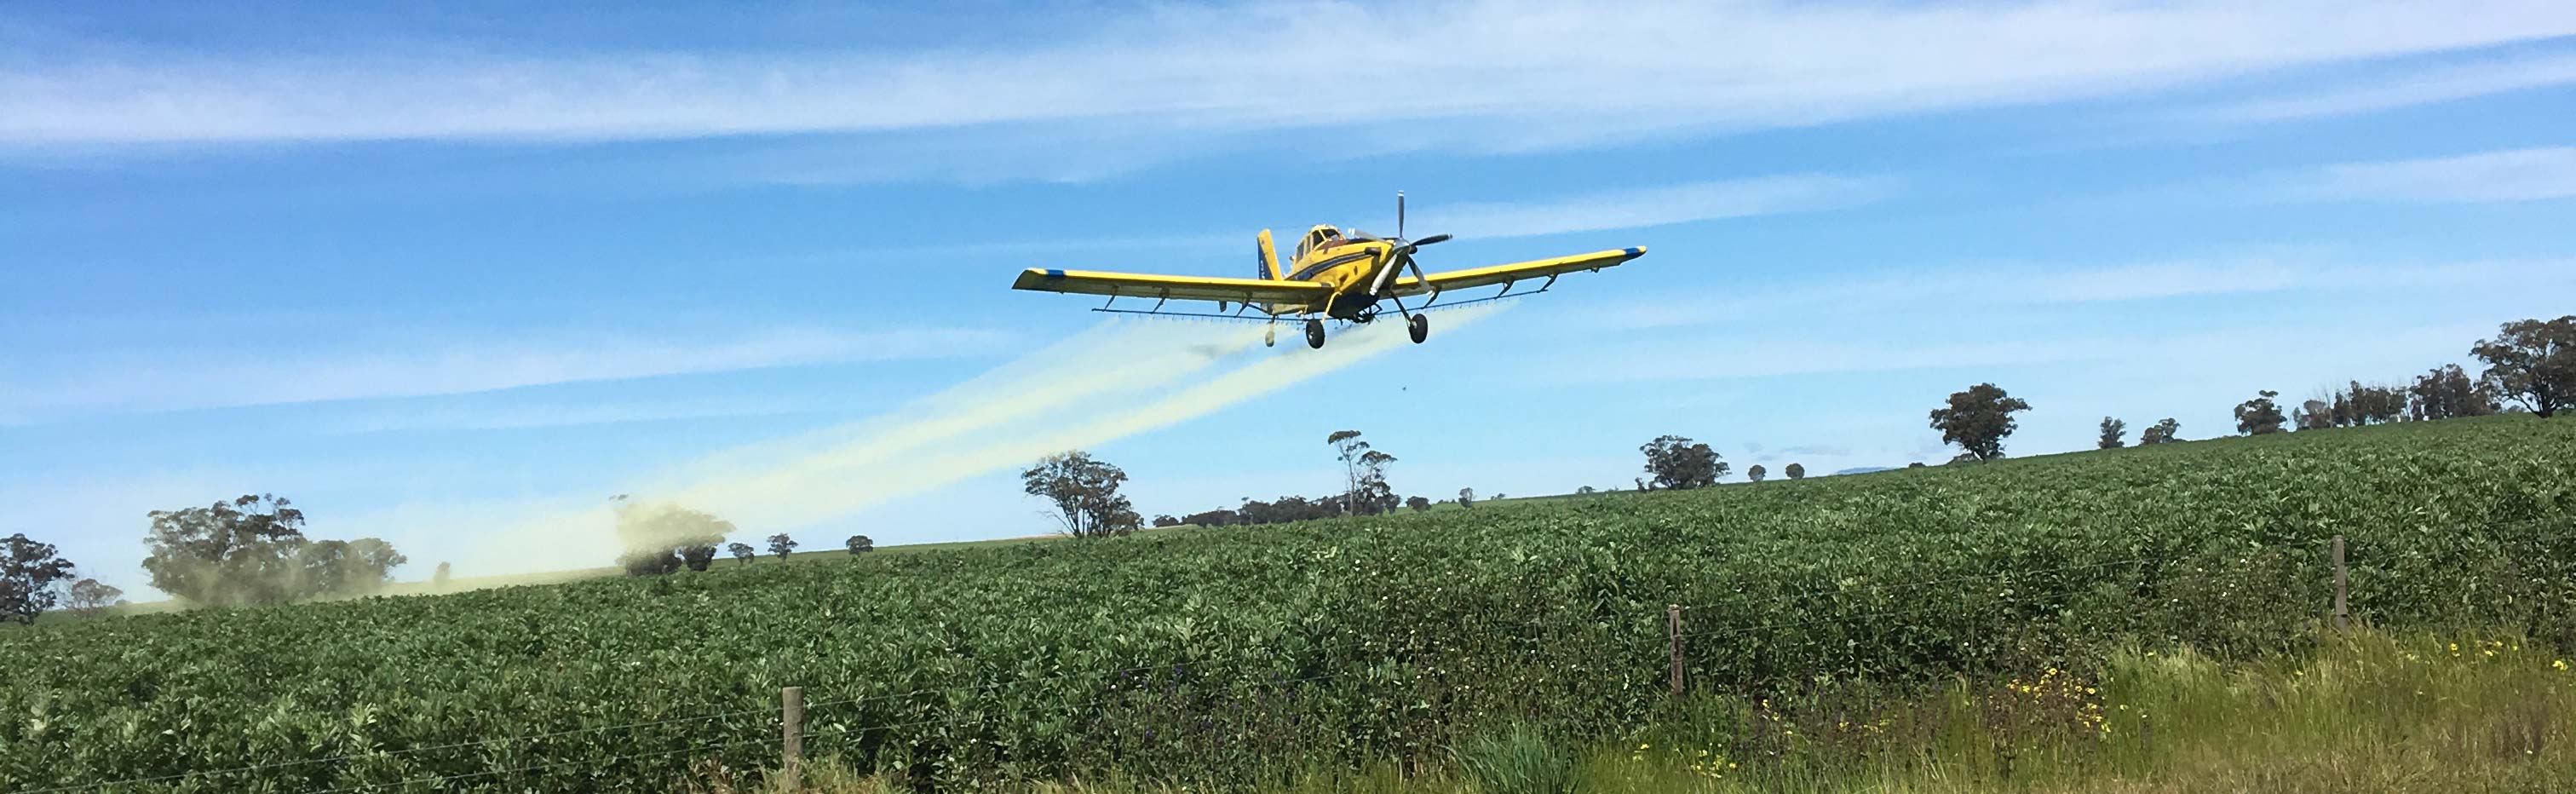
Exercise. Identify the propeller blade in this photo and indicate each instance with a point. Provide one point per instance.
(1399, 213)
(1431, 239)
(1403, 255)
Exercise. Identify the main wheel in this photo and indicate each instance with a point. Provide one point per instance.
(1315, 334)
(1270, 336)
(1419, 326)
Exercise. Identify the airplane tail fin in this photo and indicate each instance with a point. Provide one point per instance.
(1268, 267)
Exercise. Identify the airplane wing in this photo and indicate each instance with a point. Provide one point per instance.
(1144, 285)
(1516, 271)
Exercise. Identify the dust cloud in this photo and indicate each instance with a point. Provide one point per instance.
(1117, 379)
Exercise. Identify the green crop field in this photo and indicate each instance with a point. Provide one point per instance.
(1228, 653)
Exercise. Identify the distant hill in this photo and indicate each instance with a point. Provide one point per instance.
(1866, 469)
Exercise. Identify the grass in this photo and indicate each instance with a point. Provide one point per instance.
(2362, 712)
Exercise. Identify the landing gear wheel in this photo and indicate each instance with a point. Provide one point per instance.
(1315, 334)
(1419, 326)
(1270, 336)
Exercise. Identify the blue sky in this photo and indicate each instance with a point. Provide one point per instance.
(455, 275)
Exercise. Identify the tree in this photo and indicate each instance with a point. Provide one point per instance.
(2354, 405)
(661, 537)
(1418, 503)
(1162, 520)
(231, 552)
(1677, 463)
(2447, 392)
(2318, 414)
(1583, 491)
(1287, 509)
(742, 551)
(2532, 362)
(650, 563)
(1977, 419)
(1084, 492)
(252, 550)
(1219, 517)
(28, 571)
(1466, 497)
(345, 568)
(1756, 473)
(780, 544)
(2112, 431)
(2259, 416)
(1365, 491)
(860, 544)
(2371, 405)
(91, 598)
(2162, 432)
(1795, 471)
(438, 578)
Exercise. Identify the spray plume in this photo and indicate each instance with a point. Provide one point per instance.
(1117, 379)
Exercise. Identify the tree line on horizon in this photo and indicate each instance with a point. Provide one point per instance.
(2530, 367)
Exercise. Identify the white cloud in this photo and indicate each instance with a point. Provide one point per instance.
(1697, 360)
(1176, 242)
(1492, 74)
(1631, 209)
(182, 377)
(2443, 84)
(1968, 289)
(2515, 175)
(552, 413)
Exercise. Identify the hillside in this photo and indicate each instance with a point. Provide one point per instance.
(1187, 653)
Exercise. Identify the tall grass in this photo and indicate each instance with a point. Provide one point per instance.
(2359, 712)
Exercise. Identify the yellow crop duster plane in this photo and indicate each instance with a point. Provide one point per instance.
(1334, 273)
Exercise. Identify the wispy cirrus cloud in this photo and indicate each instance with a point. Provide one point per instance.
(2483, 77)
(186, 376)
(2512, 175)
(1487, 74)
(1973, 288)
(530, 414)
(1658, 206)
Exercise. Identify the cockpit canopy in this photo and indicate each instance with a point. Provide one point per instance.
(1318, 237)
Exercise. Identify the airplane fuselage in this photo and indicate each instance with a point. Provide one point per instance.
(1350, 267)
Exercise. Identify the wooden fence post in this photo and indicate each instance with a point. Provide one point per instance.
(791, 726)
(1673, 616)
(2342, 616)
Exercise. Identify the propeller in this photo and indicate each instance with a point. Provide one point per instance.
(1402, 254)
